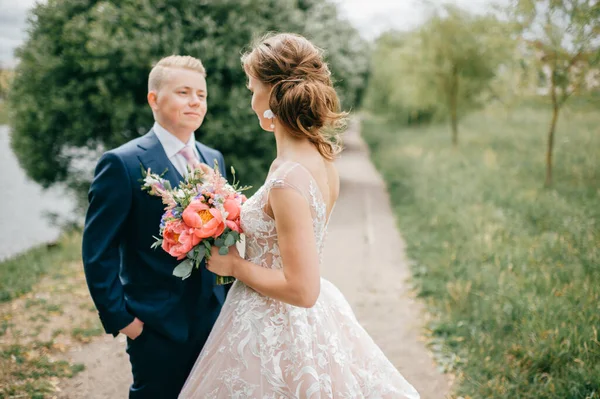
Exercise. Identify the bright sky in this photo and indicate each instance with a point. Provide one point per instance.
(371, 17)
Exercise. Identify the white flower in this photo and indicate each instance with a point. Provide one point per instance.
(151, 180)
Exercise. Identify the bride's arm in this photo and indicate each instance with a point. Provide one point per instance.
(298, 283)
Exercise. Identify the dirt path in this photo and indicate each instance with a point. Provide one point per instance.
(364, 258)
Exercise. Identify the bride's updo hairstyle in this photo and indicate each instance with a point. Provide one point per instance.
(302, 94)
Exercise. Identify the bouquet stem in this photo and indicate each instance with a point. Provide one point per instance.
(224, 280)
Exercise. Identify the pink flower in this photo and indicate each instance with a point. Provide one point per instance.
(234, 225)
(233, 208)
(206, 221)
(178, 239)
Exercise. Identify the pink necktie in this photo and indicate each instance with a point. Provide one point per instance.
(190, 156)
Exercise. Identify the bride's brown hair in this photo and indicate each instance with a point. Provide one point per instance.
(302, 94)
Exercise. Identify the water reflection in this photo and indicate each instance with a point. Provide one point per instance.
(23, 204)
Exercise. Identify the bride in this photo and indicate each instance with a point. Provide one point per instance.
(285, 332)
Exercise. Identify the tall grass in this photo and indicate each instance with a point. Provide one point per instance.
(511, 269)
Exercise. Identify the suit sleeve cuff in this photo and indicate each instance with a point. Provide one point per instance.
(113, 324)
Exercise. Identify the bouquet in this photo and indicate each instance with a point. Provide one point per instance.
(203, 211)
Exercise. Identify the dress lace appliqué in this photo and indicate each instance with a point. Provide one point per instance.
(262, 348)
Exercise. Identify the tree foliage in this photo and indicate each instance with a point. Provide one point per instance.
(565, 38)
(392, 91)
(80, 86)
(462, 53)
(444, 67)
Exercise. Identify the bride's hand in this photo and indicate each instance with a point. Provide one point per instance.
(223, 265)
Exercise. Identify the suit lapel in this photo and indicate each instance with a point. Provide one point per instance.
(155, 158)
(208, 158)
(205, 156)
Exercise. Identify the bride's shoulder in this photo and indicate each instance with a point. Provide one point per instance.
(276, 164)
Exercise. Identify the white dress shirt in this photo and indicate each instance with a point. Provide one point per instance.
(172, 145)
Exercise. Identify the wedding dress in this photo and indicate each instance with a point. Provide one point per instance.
(262, 348)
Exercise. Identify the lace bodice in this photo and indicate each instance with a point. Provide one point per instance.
(259, 227)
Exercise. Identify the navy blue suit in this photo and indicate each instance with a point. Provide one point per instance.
(128, 279)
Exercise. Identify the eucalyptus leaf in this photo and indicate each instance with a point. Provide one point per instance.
(229, 240)
(184, 269)
(200, 254)
(191, 254)
(223, 251)
(219, 242)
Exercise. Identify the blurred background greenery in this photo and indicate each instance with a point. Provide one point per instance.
(93, 59)
(485, 127)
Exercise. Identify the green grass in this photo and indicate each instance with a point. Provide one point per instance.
(19, 274)
(33, 370)
(86, 333)
(510, 269)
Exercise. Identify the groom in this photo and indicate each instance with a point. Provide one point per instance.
(166, 319)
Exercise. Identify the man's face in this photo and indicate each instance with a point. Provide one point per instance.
(180, 103)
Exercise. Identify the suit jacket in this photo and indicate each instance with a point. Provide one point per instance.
(127, 278)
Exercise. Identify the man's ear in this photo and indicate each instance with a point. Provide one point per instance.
(153, 100)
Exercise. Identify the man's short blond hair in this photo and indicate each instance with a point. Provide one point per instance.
(160, 69)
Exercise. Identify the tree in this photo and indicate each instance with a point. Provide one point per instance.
(460, 55)
(80, 86)
(439, 70)
(393, 91)
(565, 35)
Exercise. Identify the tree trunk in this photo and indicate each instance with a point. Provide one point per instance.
(454, 122)
(550, 148)
(550, 144)
(453, 105)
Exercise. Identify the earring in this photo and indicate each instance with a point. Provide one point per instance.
(270, 115)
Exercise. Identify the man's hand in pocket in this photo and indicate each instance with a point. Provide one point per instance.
(134, 329)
